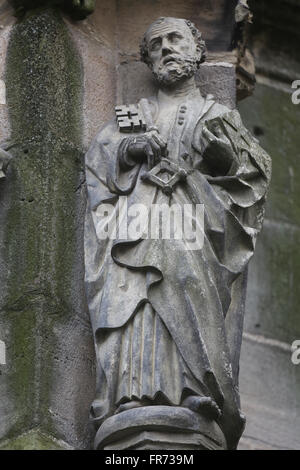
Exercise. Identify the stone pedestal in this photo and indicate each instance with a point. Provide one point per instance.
(159, 427)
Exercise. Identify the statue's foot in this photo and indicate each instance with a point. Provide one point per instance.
(205, 405)
(128, 406)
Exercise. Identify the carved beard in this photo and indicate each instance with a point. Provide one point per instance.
(186, 68)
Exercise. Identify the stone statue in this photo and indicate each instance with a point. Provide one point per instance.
(168, 316)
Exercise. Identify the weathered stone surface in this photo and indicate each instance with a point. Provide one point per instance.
(216, 79)
(33, 294)
(274, 119)
(95, 39)
(49, 372)
(269, 385)
(219, 80)
(275, 37)
(215, 18)
(156, 304)
(78, 9)
(149, 440)
(34, 440)
(6, 22)
(271, 311)
(273, 298)
(269, 381)
(132, 429)
(109, 40)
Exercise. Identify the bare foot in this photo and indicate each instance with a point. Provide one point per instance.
(205, 405)
(128, 406)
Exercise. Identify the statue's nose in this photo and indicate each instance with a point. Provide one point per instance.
(166, 47)
(166, 50)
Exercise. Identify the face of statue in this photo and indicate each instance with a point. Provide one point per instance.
(172, 51)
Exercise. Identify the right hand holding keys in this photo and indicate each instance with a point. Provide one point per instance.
(149, 145)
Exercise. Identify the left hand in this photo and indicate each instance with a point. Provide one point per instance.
(150, 146)
(217, 150)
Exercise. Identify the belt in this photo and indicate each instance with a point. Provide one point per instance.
(176, 174)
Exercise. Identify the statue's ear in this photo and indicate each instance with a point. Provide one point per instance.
(150, 64)
(201, 53)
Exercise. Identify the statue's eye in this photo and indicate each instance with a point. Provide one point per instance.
(174, 37)
(155, 45)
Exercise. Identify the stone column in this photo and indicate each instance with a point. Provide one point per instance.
(49, 370)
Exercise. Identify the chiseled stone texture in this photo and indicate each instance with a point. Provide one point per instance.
(215, 18)
(96, 42)
(6, 21)
(269, 381)
(273, 296)
(270, 385)
(33, 440)
(48, 378)
(275, 36)
(50, 363)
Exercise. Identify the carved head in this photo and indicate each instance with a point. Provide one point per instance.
(173, 49)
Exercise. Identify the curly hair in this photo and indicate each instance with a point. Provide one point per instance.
(197, 35)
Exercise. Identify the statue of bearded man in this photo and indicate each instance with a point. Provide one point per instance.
(167, 314)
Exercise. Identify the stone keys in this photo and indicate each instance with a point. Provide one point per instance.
(130, 119)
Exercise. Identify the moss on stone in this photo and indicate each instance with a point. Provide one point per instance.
(78, 9)
(34, 440)
(43, 226)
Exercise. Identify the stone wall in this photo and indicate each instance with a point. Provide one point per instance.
(47, 382)
(269, 381)
(63, 79)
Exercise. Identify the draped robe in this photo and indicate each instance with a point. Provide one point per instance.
(167, 320)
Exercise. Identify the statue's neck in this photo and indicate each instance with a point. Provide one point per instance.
(179, 91)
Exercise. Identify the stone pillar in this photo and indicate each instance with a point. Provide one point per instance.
(49, 372)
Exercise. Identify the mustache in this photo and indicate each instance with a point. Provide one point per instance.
(171, 58)
(180, 60)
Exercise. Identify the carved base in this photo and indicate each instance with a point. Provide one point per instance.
(159, 427)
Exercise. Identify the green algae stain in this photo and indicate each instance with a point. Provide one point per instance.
(44, 96)
(33, 440)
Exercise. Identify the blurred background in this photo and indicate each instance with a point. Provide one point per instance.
(269, 381)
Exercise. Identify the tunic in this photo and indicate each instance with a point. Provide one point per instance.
(168, 319)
